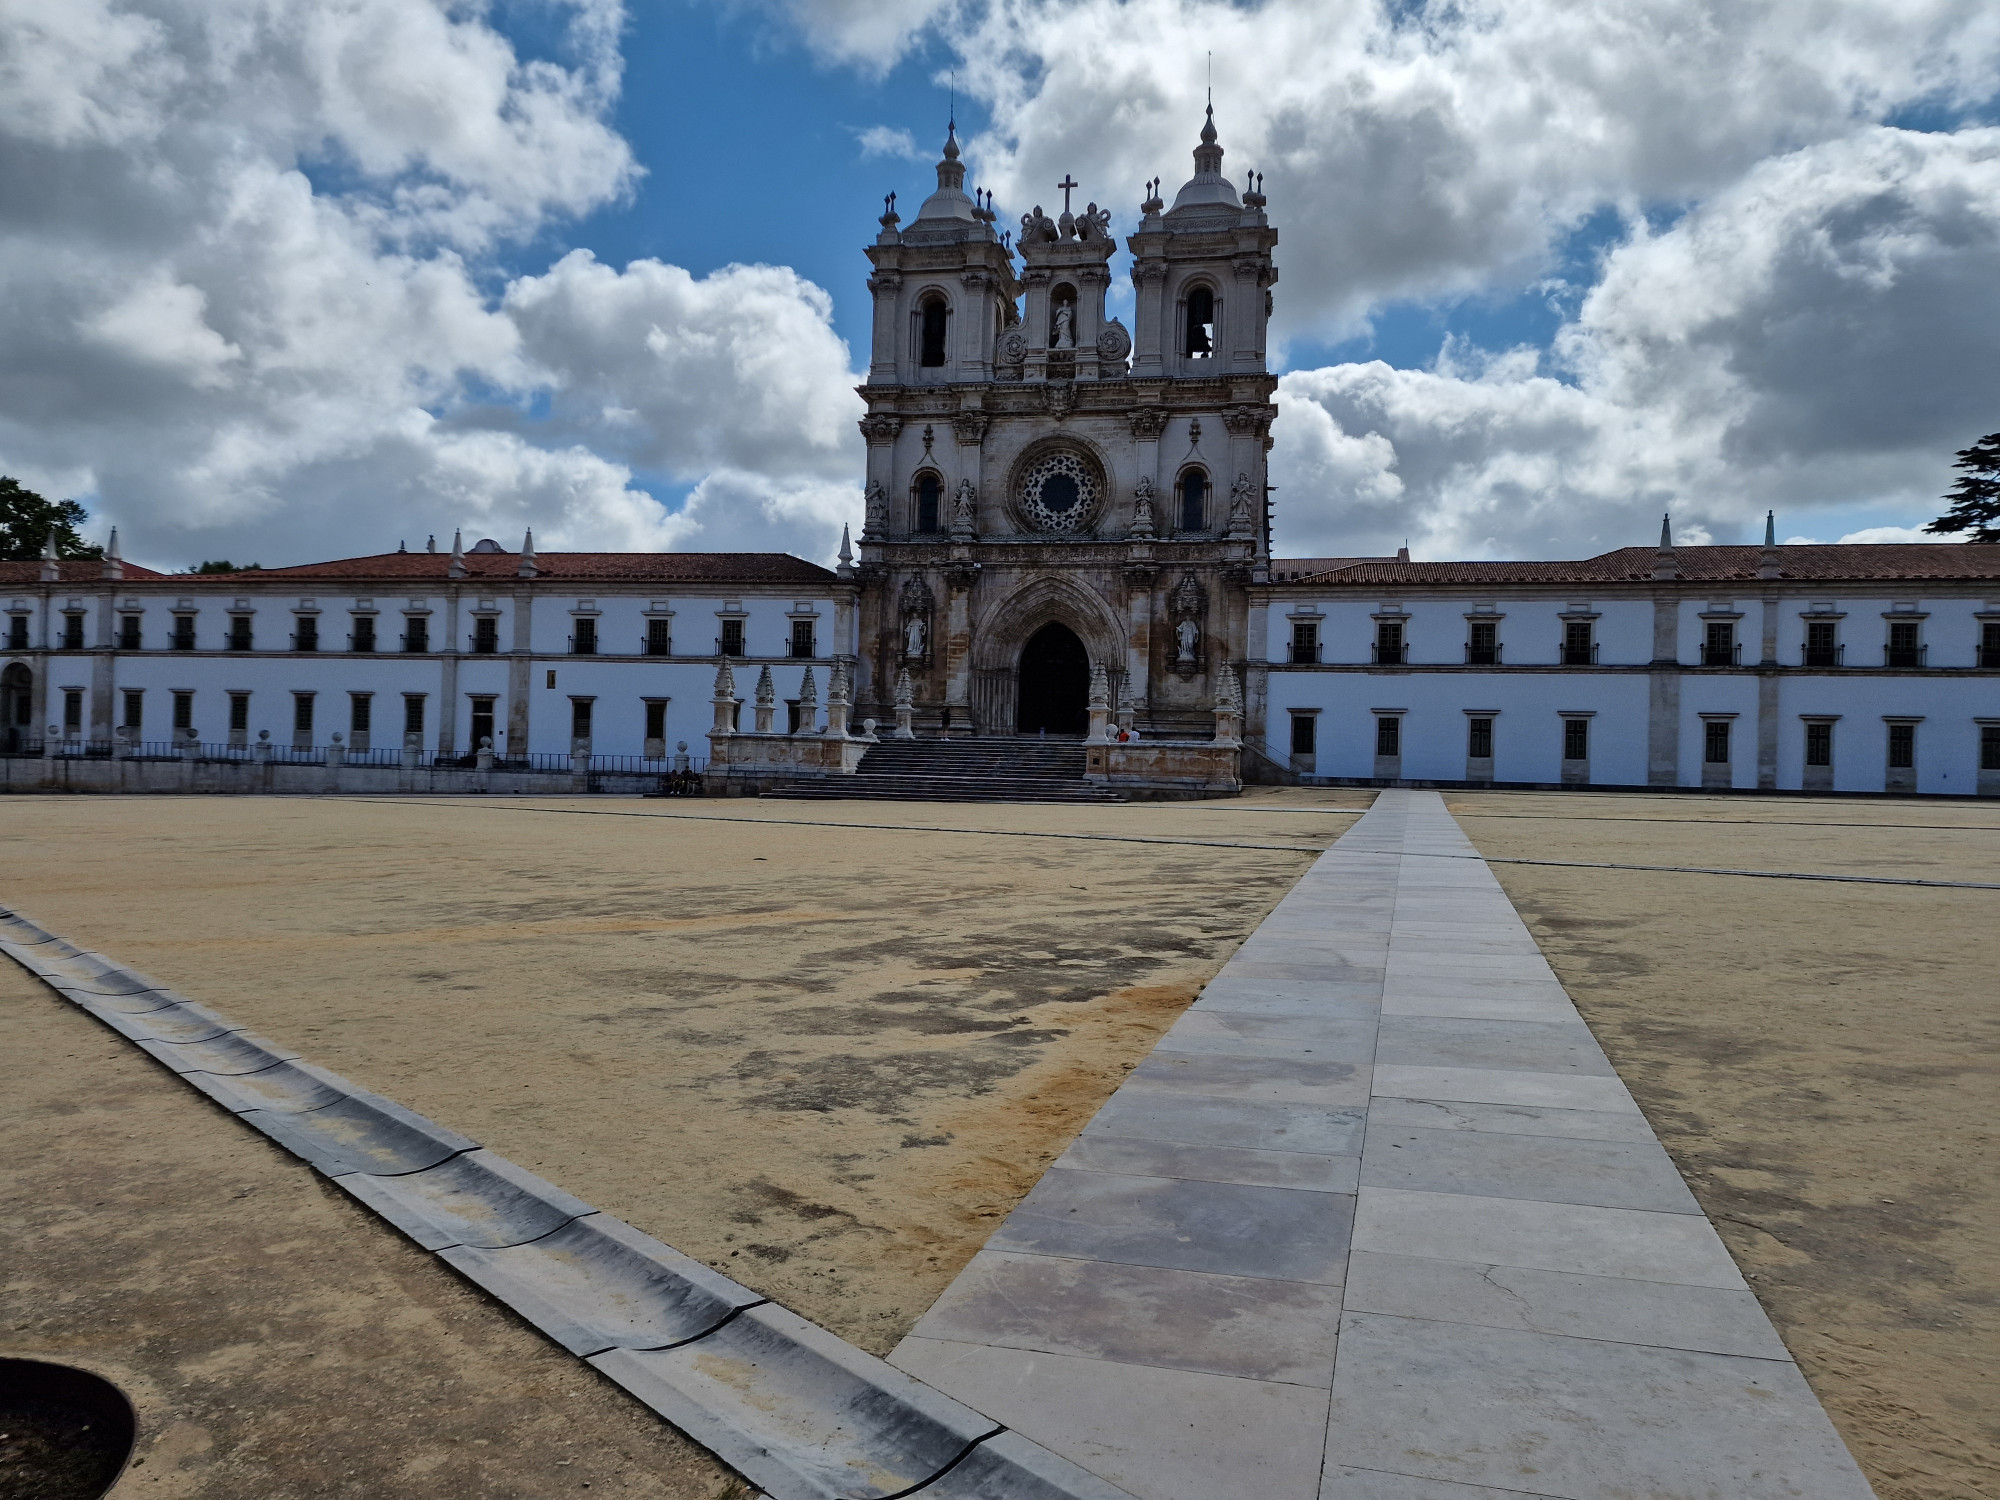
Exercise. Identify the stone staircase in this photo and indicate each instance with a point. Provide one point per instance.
(998, 769)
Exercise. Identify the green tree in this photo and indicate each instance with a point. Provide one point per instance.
(224, 565)
(1975, 499)
(26, 520)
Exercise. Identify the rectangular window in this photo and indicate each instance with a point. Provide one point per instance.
(1822, 649)
(1305, 733)
(1715, 742)
(802, 638)
(656, 720)
(183, 710)
(1718, 647)
(1989, 747)
(364, 633)
(416, 632)
(239, 713)
(239, 633)
(360, 712)
(1819, 744)
(72, 636)
(17, 633)
(732, 638)
(486, 635)
(1388, 735)
(128, 632)
(135, 710)
(183, 637)
(1903, 649)
(1902, 747)
(791, 716)
(659, 637)
(483, 737)
(1479, 739)
(1482, 643)
(579, 718)
(413, 713)
(1989, 644)
(1578, 649)
(306, 637)
(1389, 642)
(302, 715)
(72, 712)
(1305, 642)
(1576, 739)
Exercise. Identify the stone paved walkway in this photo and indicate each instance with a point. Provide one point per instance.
(1378, 1221)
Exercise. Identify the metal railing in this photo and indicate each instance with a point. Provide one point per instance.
(1482, 656)
(1722, 656)
(1305, 653)
(1577, 656)
(1822, 656)
(1389, 656)
(649, 647)
(1904, 656)
(1986, 656)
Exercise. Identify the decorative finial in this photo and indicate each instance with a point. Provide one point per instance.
(1770, 528)
(527, 568)
(1667, 531)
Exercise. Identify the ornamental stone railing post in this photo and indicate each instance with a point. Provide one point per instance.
(484, 758)
(336, 754)
(1100, 706)
(51, 741)
(767, 700)
(1228, 708)
(724, 699)
(413, 749)
(808, 704)
(905, 707)
(837, 703)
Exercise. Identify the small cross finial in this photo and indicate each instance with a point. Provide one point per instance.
(1066, 185)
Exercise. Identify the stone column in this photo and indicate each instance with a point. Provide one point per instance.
(905, 707)
(1663, 706)
(520, 673)
(447, 732)
(1100, 706)
(1150, 336)
(1139, 580)
(880, 429)
(959, 581)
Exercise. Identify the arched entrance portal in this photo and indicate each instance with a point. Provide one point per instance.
(17, 706)
(1055, 683)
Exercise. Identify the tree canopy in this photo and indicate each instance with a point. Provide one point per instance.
(224, 565)
(1975, 499)
(26, 519)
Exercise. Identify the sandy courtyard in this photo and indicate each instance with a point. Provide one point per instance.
(826, 1047)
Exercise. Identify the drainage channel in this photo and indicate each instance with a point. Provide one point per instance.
(796, 1410)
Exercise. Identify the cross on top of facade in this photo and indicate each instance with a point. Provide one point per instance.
(1066, 184)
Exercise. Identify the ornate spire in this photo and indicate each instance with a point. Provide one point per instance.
(1208, 188)
(1770, 528)
(527, 568)
(1667, 531)
(51, 568)
(846, 553)
(950, 201)
(114, 562)
(456, 568)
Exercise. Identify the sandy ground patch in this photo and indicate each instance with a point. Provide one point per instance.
(1821, 1061)
(277, 1343)
(820, 1053)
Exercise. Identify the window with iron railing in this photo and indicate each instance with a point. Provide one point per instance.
(1904, 648)
(730, 642)
(1579, 645)
(1389, 651)
(583, 640)
(417, 633)
(183, 637)
(72, 636)
(1305, 642)
(17, 633)
(802, 638)
(239, 633)
(1482, 644)
(1718, 646)
(363, 638)
(128, 633)
(659, 637)
(486, 635)
(1822, 647)
(306, 637)
(1989, 644)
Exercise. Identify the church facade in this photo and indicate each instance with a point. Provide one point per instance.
(1066, 532)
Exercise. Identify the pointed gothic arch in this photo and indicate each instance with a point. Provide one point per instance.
(1002, 634)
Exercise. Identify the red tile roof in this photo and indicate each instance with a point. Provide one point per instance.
(1831, 563)
(72, 570)
(605, 567)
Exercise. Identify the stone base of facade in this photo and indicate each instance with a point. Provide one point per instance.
(1146, 769)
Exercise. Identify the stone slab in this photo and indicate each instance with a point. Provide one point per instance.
(1622, 1242)
(1009, 1467)
(1511, 1119)
(1264, 1079)
(1096, 1152)
(800, 1412)
(1546, 1169)
(1199, 1121)
(597, 1283)
(1373, 1484)
(1226, 1227)
(1715, 1320)
(1142, 1315)
(1579, 1419)
(1478, 1004)
(1157, 1434)
(1564, 1046)
(1502, 1086)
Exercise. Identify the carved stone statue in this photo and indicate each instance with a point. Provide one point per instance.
(1093, 223)
(916, 638)
(964, 509)
(1187, 637)
(1142, 507)
(1065, 330)
(876, 518)
(1038, 228)
(1242, 507)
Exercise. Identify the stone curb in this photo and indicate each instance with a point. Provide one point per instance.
(800, 1413)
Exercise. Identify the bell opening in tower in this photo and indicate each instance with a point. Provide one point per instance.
(1054, 689)
(931, 332)
(1200, 323)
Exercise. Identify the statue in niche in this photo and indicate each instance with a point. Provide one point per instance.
(916, 638)
(964, 508)
(915, 606)
(1187, 640)
(1186, 607)
(1142, 507)
(1242, 507)
(1065, 334)
(876, 517)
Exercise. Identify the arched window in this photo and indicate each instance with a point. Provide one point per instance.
(930, 491)
(1200, 323)
(933, 316)
(1194, 501)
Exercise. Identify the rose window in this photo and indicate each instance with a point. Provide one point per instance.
(1059, 493)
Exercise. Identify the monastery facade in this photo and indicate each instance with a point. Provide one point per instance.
(1066, 533)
